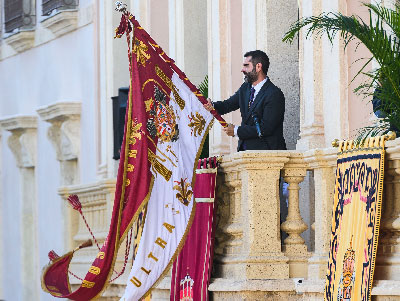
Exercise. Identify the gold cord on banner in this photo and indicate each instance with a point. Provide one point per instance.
(372, 142)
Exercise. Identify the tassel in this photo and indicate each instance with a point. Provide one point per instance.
(86, 244)
(75, 203)
(53, 255)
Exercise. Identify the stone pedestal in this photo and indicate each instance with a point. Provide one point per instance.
(256, 253)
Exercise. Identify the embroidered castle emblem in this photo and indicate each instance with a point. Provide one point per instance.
(162, 119)
(186, 291)
(348, 275)
(184, 194)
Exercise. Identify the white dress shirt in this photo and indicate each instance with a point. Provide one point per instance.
(257, 89)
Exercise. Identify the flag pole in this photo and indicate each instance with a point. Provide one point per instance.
(121, 7)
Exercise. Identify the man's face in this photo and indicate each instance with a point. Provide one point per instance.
(249, 71)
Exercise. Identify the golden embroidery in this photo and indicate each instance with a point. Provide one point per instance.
(87, 284)
(173, 210)
(101, 255)
(130, 168)
(197, 124)
(53, 288)
(184, 194)
(132, 153)
(169, 159)
(136, 132)
(158, 167)
(94, 270)
(149, 104)
(128, 182)
(171, 85)
(169, 149)
(140, 49)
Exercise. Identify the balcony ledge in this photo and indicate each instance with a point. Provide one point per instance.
(21, 41)
(62, 22)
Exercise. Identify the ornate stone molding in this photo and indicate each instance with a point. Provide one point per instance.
(21, 41)
(62, 22)
(22, 142)
(64, 132)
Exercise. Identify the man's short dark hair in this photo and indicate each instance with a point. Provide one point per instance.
(258, 56)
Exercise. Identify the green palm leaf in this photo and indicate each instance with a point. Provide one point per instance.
(381, 37)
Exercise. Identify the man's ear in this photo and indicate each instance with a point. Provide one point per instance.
(259, 67)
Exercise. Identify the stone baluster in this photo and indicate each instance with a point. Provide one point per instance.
(229, 233)
(259, 255)
(294, 245)
(323, 163)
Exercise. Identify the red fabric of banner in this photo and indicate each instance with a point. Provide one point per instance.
(192, 269)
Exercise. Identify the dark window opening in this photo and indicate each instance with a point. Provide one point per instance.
(48, 6)
(119, 110)
(19, 14)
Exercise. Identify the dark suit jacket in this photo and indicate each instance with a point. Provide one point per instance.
(268, 106)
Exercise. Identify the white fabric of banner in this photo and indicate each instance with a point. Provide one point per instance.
(167, 217)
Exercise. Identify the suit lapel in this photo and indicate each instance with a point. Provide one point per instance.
(260, 96)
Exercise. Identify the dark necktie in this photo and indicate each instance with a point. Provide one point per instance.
(252, 91)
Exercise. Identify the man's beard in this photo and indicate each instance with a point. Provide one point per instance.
(250, 77)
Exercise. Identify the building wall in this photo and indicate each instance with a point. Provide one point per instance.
(87, 65)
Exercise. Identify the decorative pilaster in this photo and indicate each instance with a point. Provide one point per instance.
(22, 143)
(295, 248)
(258, 252)
(323, 163)
(64, 134)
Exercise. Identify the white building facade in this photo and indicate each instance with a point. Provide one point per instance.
(59, 71)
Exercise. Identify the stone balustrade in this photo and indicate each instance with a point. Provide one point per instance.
(251, 260)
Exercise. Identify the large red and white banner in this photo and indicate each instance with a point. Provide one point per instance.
(165, 127)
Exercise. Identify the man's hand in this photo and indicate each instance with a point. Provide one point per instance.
(230, 130)
(208, 106)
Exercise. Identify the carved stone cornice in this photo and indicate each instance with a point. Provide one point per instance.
(62, 22)
(23, 140)
(64, 132)
(21, 41)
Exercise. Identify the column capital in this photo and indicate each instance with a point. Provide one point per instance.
(321, 158)
(22, 141)
(64, 118)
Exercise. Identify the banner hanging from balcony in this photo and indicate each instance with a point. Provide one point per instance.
(165, 127)
(355, 221)
(192, 269)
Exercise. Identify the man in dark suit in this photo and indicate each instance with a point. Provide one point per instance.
(261, 104)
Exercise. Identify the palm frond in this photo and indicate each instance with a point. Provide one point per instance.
(203, 87)
(383, 44)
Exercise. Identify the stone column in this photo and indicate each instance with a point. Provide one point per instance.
(22, 143)
(294, 248)
(310, 70)
(323, 163)
(388, 258)
(256, 253)
(64, 134)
